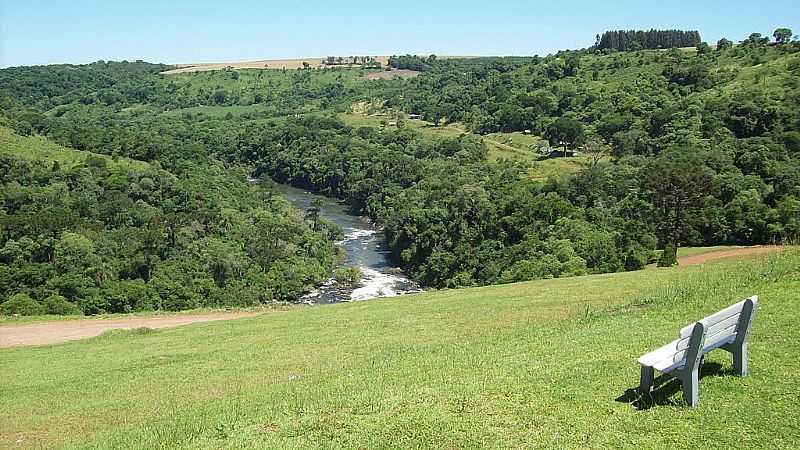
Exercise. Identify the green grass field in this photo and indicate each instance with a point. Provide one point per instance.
(539, 364)
(545, 169)
(512, 146)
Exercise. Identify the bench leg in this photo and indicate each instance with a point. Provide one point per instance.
(646, 380)
(740, 359)
(691, 388)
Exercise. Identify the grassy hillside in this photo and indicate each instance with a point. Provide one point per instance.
(41, 149)
(538, 364)
(511, 146)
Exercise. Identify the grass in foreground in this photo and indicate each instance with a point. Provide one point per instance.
(537, 364)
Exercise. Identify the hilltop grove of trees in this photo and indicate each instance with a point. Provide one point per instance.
(647, 40)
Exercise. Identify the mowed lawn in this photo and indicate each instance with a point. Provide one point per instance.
(540, 364)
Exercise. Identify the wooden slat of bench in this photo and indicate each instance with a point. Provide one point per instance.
(731, 321)
(668, 366)
(673, 354)
(718, 343)
(713, 319)
(729, 325)
(661, 354)
(722, 337)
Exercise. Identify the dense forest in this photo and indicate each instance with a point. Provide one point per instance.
(412, 62)
(647, 40)
(147, 204)
(98, 234)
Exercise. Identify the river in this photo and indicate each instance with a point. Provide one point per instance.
(365, 248)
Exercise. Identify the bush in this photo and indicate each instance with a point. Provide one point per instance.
(175, 296)
(636, 257)
(348, 275)
(58, 305)
(21, 304)
(129, 295)
(241, 293)
(669, 258)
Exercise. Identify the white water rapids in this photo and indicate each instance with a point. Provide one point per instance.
(365, 248)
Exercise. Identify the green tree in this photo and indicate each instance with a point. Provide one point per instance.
(566, 132)
(782, 35)
(678, 189)
(312, 213)
(669, 256)
(724, 44)
(74, 253)
(271, 238)
(756, 40)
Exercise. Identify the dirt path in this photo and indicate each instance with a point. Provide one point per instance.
(732, 253)
(71, 330)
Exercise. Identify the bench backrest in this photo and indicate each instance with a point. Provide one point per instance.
(730, 325)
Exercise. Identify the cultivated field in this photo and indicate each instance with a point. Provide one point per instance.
(549, 363)
(315, 62)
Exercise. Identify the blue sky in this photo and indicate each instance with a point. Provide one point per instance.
(80, 31)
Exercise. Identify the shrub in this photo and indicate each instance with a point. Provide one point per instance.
(175, 296)
(348, 275)
(56, 304)
(91, 302)
(21, 304)
(129, 295)
(239, 293)
(669, 258)
(636, 257)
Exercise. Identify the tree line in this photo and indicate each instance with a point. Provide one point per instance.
(624, 40)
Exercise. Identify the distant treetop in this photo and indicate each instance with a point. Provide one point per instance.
(654, 39)
(411, 62)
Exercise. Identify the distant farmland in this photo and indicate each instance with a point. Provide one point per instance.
(314, 62)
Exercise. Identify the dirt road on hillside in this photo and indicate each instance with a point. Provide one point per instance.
(70, 330)
(732, 253)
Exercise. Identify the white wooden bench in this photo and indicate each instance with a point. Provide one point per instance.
(683, 357)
